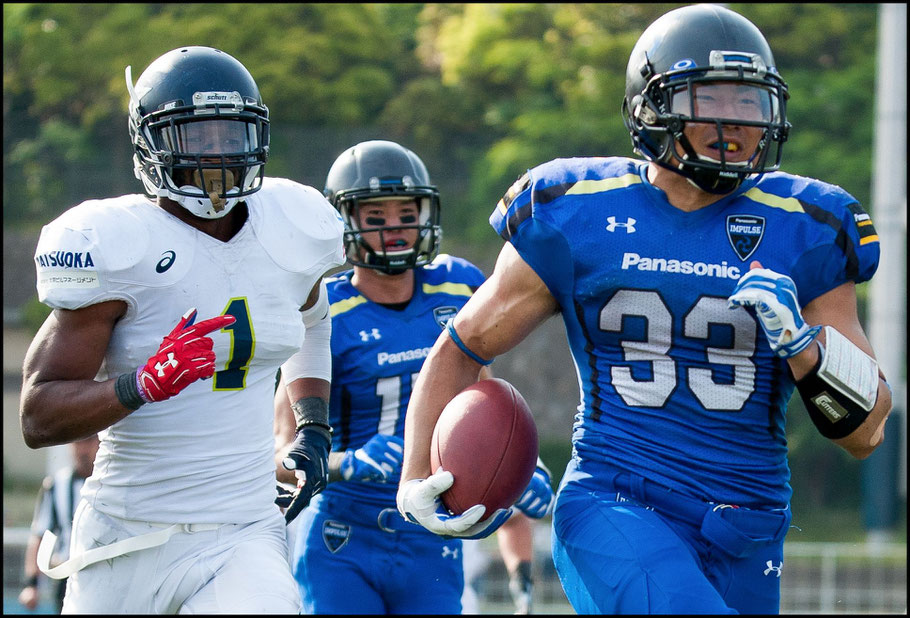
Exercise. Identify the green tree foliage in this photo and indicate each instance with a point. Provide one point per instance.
(482, 91)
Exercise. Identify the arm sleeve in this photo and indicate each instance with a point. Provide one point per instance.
(314, 358)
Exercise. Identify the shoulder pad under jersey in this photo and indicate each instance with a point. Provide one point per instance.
(85, 254)
(535, 190)
(299, 228)
(452, 269)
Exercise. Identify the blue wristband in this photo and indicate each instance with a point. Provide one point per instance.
(450, 328)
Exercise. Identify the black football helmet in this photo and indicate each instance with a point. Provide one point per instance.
(381, 169)
(690, 48)
(199, 129)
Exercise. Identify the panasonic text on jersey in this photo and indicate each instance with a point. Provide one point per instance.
(400, 357)
(682, 267)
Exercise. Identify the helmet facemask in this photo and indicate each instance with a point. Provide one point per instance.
(732, 101)
(386, 257)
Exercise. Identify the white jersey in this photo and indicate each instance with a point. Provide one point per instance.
(206, 454)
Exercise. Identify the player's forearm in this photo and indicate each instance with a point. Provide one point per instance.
(63, 411)
(871, 433)
(445, 373)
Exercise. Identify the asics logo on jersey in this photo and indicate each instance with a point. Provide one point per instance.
(373, 333)
(400, 357)
(682, 267)
(446, 552)
(777, 569)
(165, 262)
(629, 224)
(170, 362)
(65, 259)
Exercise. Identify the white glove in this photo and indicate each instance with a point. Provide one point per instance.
(418, 501)
(773, 297)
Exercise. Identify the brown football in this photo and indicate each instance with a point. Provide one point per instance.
(486, 437)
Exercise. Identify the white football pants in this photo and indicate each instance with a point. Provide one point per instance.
(236, 569)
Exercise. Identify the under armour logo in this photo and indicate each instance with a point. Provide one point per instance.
(446, 552)
(372, 334)
(170, 362)
(771, 567)
(613, 224)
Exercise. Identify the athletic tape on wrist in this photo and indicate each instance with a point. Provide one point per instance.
(450, 328)
(127, 390)
(311, 412)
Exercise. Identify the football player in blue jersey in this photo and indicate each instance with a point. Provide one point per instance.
(698, 289)
(354, 553)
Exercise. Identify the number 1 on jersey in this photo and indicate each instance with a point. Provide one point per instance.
(243, 344)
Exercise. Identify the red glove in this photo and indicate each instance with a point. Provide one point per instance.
(185, 356)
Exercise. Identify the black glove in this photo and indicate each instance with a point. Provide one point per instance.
(285, 496)
(309, 454)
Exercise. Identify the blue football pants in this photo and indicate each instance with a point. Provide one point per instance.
(345, 563)
(614, 555)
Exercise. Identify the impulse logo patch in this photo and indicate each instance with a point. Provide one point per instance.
(744, 233)
(444, 314)
(335, 535)
(65, 259)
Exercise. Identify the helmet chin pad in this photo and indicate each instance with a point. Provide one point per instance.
(203, 207)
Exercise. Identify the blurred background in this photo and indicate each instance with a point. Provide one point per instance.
(481, 92)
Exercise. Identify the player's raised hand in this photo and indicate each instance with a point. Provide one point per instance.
(184, 356)
(418, 501)
(774, 300)
(377, 461)
(538, 498)
(309, 458)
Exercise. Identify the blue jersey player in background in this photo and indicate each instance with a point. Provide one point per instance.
(354, 553)
(698, 289)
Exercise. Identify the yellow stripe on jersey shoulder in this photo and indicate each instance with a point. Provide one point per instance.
(790, 204)
(586, 187)
(347, 304)
(455, 289)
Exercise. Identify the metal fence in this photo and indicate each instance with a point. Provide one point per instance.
(818, 578)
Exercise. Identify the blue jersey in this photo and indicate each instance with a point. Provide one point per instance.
(674, 385)
(377, 352)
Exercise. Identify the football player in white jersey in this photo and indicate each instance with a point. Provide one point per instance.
(179, 514)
